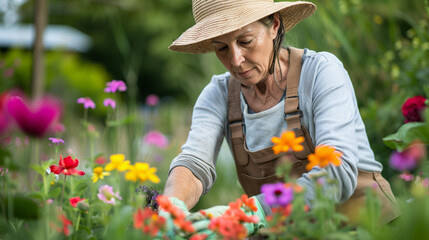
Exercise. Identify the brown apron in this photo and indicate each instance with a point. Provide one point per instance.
(257, 168)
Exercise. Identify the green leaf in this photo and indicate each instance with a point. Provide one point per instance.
(39, 169)
(54, 193)
(48, 163)
(406, 134)
(120, 223)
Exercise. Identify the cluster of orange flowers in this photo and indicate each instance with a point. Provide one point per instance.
(176, 214)
(323, 155)
(148, 221)
(231, 224)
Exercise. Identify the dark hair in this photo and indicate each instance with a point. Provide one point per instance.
(278, 41)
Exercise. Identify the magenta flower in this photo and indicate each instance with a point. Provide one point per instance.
(87, 102)
(5, 119)
(56, 140)
(106, 194)
(3, 171)
(412, 109)
(277, 194)
(152, 100)
(109, 102)
(156, 138)
(34, 118)
(407, 159)
(115, 85)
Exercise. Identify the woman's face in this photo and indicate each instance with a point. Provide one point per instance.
(247, 52)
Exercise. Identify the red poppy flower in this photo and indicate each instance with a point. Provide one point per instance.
(75, 200)
(67, 166)
(65, 225)
(412, 109)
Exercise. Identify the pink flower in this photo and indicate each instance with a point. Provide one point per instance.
(34, 118)
(106, 194)
(277, 194)
(406, 177)
(56, 140)
(75, 200)
(109, 102)
(156, 138)
(58, 127)
(152, 100)
(115, 85)
(87, 102)
(5, 119)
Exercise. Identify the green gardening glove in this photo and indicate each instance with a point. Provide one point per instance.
(201, 223)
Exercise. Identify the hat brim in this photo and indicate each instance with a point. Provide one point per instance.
(197, 39)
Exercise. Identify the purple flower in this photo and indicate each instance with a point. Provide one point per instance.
(56, 140)
(277, 194)
(156, 138)
(115, 85)
(34, 118)
(109, 102)
(407, 159)
(106, 194)
(152, 100)
(87, 102)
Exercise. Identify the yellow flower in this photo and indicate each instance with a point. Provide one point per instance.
(118, 162)
(323, 156)
(142, 172)
(286, 142)
(99, 174)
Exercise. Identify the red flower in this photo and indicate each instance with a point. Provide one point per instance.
(65, 225)
(148, 221)
(67, 166)
(249, 203)
(413, 108)
(199, 237)
(75, 200)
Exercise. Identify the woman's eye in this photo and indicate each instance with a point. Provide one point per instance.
(246, 42)
(222, 48)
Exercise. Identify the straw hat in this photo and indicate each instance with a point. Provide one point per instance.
(217, 17)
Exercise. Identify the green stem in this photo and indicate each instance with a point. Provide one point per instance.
(78, 221)
(62, 192)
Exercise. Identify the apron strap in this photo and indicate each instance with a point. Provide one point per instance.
(292, 112)
(235, 119)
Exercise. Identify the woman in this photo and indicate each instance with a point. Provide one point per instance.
(266, 90)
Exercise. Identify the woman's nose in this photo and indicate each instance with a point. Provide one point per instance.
(236, 56)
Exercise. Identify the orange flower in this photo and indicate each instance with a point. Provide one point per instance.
(148, 221)
(323, 156)
(249, 203)
(286, 142)
(177, 215)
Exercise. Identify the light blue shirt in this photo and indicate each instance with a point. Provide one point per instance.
(330, 113)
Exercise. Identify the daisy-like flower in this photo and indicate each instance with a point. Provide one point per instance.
(67, 166)
(286, 142)
(109, 102)
(277, 194)
(142, 172)
(87, 102)
(323, 156)
(106, 194)
(75, 200)
(148, 221)
(118, 162)
(98, 174)
(115, 85)
(56, 141)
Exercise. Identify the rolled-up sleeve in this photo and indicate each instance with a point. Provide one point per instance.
(200, 151)
(334, 111)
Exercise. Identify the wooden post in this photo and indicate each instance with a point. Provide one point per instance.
(38, 67)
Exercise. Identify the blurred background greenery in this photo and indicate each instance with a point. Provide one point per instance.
(384, 45)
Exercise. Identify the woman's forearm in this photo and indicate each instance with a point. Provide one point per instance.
(182, 184)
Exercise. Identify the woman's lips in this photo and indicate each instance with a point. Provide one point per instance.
(245, 73)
